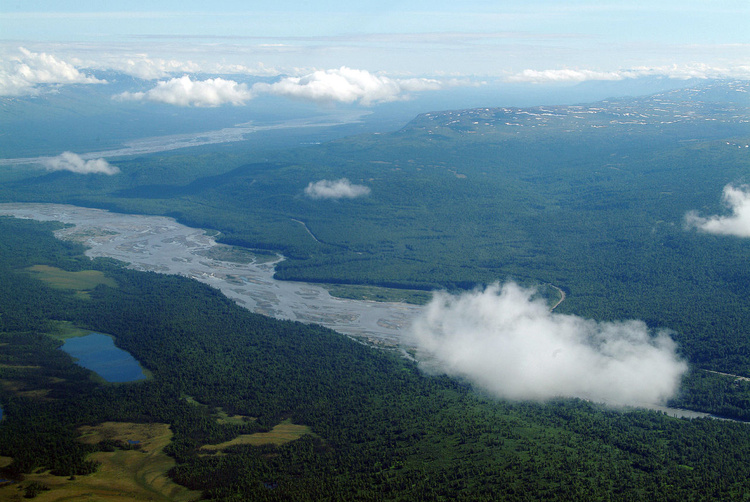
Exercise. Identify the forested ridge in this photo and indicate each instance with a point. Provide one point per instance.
(382, 429)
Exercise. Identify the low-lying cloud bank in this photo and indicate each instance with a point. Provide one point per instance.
(506, 341)
(22, 74)
(342, 85)
(339, 189)
(184, 91)
(683, 72)
(737, 199)
(348, 85)
(69, 161)
(141, 66)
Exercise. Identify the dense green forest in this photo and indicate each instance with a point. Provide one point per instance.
(590, 198)
(382, 429)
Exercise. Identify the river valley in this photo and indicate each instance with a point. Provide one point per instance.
(160, 244)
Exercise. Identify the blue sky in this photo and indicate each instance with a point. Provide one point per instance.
(518, 41)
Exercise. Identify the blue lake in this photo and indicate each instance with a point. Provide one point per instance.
(98, 353)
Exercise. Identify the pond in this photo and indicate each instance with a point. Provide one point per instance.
(97, 352)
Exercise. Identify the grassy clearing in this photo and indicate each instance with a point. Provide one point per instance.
(81, 282)
(19, 366)
(62, 330)
(35, 393)
(123, 475)
(285, 432)
(223, 418)
(21, 388)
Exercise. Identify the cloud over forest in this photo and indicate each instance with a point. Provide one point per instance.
(737, 199)
(69, 161)
(22, 74)
(339, 189)
(506, 341)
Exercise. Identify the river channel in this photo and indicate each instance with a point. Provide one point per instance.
(160, 244)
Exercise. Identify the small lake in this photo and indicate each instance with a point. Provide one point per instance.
(98, 353)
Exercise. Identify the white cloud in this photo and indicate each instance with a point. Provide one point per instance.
(509, 343)
(737, 199)
(141, 66)
(566, 75)
(69, 161)
(682, 72)
(697, 70)
(21, 75)
(339, 189)
(259, 69)
(420, 84)
(184, 91)
(347, 85)
(343, 85)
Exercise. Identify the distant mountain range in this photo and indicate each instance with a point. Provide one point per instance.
(711, 106)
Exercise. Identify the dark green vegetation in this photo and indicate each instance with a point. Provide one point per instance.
(590, 199)
(382, 429)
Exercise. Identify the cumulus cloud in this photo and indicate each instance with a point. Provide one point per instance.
(339, 189)
(21, 75)
(683, 72)
(737, 199)
(184, 91)
(508, 342)
(347, 85)
(343, 85)
(69, 161)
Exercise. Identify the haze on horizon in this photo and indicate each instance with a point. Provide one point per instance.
(362, 53)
